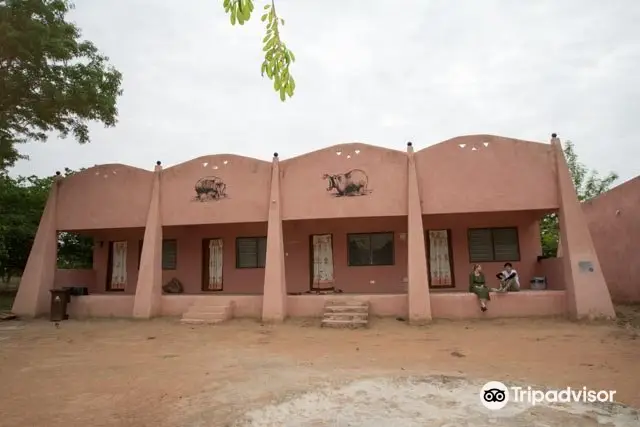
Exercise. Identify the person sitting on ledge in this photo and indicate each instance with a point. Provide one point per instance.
(478, 286)
(509, 280)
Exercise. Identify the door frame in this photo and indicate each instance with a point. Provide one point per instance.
(204, 272)
(428, 260)
(108, 287)
(311, 263)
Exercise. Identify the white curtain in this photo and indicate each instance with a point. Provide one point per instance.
(215, 264)
(322, 260)
(439, 262)
(119, 265)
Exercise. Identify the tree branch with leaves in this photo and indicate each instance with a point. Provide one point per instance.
(51, 80)
(277, 57)
(588, 184)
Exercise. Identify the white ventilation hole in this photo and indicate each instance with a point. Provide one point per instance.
(462, 145)
(205, 164)
(486, 144)
(225, 162)
(349, 156)
(357, 151)
(338, 152)
(215, 167)
(474, 149)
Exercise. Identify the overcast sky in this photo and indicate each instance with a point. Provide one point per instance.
(382, 72)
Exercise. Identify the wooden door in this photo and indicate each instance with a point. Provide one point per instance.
(440, 259)
(322, 261)
(212, 265)
(117, 266)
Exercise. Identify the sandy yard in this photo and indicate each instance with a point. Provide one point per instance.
(161, 373)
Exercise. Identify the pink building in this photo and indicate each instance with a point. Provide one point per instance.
(400, 230)
(614, 222)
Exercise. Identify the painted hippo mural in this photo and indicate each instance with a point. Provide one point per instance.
(352, 183)
(210, 188)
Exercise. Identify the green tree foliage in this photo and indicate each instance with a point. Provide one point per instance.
(50, 79)
(588, 184)
(22, 202)
(277, 57)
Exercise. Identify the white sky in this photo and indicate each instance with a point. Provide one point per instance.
(382, 72)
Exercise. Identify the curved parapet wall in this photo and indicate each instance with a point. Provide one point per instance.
(485, 173)
(221, 188)
(104, 196)
(347, 180)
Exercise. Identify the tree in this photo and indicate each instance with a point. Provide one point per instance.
(277, 58)
(22, 201)
(588, 184)
(50, 79)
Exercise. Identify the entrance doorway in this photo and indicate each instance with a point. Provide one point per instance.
(321, 262)
(117, 266)
(440, 256)
(212, 263)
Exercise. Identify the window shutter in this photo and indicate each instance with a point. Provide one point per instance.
(505, 244)
(247, 253)
(169, 254)
(480, 245)
(262, 251)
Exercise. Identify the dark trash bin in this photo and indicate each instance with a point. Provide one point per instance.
(78, 291)
(59, 300)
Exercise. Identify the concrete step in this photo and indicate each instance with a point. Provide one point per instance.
(206, 316)
(346, 324)
(346, 316)
(346, 308)
(338, 302)
(205, 312)
(223, 309)
(194, 321)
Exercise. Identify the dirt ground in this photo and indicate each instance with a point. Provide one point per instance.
(161, 373)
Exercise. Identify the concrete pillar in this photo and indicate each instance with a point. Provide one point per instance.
(418, 289)
(147, 303)
(274, 300)
(587, 292)
(33, 298)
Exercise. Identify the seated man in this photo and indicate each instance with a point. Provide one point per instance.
(509, 280)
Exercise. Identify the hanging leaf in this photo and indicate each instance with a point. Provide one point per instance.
(277, 57)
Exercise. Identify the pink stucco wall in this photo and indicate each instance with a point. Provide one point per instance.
(247, 186)
(190, 262)
(454, 177)
(104, 197)
(468, 182)
(527, 223)
(304, 191)
(551, 268)
(614, 224)
(72, 277)
(361, 279)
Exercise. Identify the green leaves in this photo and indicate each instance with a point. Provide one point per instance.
(238, 10)
(277, 57)
(588, 184)
(50, 79)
